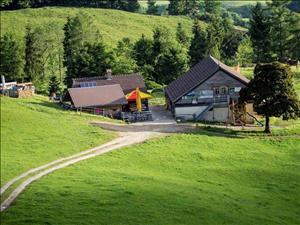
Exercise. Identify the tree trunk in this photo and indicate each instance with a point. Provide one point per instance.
(267, 127)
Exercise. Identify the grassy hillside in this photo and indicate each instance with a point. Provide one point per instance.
(34, 132)
(182, 179)
(113, 24)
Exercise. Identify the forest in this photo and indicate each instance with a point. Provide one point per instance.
(271, 34)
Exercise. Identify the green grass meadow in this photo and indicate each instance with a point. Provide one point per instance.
(112, 24)
(35, 131)
(182, 179)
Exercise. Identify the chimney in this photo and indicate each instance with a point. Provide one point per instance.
(108, 74)
(3, 81)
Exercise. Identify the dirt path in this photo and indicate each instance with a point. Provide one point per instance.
(125, 139)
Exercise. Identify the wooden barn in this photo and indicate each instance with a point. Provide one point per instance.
(208, 92)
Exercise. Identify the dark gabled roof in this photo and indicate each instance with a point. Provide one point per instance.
(197, 75)
(128, 82)
(108, 95)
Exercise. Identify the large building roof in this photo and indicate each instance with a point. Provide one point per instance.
(109, 95)
(128, 82)
(197, 75)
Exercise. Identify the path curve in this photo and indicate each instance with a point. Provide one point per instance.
(27, 173)
(127, 139)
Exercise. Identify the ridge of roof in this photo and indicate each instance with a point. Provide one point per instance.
(103, 77)
(83, 88)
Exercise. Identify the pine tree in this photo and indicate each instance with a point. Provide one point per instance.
(33, 56)
(11, 63)
(212, 6)
(199, 44)
(142, 51)
(183, 7)
(152, 7)
(176, 7)
(80, 37)
(244, 54)
(281, 19)
(215, 34)
(123, 57)
(260, 34)
(170, 65)
(161, 41)
(272, 91)
(181, 36)
(132, 6)
(53, 86)
(294, 43)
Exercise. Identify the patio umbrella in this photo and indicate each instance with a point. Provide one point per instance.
(133, 95)
(138, 100)
(137, 96)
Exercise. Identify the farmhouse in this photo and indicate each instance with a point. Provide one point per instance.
(111, 95)
(207, 92)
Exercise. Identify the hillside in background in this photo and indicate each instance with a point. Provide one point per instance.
(112, 24)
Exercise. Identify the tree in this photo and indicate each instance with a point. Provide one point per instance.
(230, 44)
(176, 7)
(132, 5)
(294, 44)
(183, 7)
(142, 51)
(91, 60)
(152, 8)
(280, 22)
(170, 65)
(123, 57)
(212, 6)
(198, 48)
(182, 36)
(11, 63)
(272, 92)
(161, 41)
(260, 34)
(244, 54)
(215, 35)
(33, 56)
(53, 85)
(78, 31)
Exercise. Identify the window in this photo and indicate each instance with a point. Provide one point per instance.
(217, 91)
(223, 90)
(231, 90)
(87, 84)
(206, 94)
(237, 89)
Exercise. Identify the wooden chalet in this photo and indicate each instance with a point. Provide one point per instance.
(209, 91)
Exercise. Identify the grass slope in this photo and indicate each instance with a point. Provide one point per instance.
(112, 24)
(34, 132)
(182, 179)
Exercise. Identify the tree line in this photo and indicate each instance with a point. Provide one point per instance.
(81, 51)
(127, 5)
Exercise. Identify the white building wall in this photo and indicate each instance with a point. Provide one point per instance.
(217, 114)
(188, 112)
